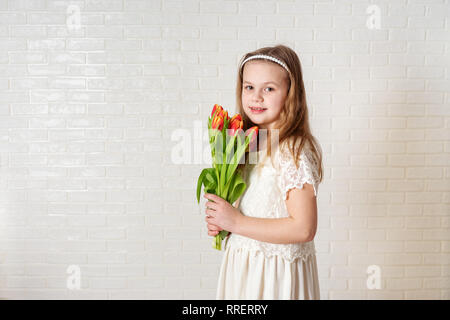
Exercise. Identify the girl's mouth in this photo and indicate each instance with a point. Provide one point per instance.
(257, 110)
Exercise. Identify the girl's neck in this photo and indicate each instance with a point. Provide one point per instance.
(268, 141)
(263, 142)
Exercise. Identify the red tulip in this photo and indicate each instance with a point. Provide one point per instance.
(217, 123)
(216, 107)
(249, 132)
(225, 115)
(236, 123)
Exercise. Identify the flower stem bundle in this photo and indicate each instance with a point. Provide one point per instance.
(228, 144)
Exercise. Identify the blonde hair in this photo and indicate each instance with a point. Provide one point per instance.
(293, 125)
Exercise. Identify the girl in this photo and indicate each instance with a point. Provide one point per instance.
(270, 252)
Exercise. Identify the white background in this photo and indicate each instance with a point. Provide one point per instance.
(86, 118)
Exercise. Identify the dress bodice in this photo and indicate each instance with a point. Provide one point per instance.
(267, 186)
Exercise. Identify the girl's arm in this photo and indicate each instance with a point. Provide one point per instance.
(300, 226)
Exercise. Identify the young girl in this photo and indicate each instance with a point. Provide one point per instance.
(270, 252)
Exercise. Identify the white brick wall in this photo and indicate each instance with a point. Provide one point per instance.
(87, 114)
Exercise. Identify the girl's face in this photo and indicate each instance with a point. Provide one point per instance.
(265, 85)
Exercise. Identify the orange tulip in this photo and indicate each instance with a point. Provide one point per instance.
(254, 135)
(249, 131)
(236, 123)
(217, 122)
(219, 119)
(216, 107)
(225, 115)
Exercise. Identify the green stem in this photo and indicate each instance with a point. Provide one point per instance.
(218, 179)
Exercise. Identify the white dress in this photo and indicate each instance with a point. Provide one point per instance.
(256, 270)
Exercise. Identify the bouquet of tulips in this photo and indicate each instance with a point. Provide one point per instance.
(228, 145)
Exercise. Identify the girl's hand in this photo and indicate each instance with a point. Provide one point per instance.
(221, 214)
(213, 230)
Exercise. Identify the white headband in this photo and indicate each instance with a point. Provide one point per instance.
(263, 56)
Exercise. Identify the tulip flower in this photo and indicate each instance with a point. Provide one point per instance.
(222, 179)
(253, 136)
(216, 107)
(217, 122)
(236, 123)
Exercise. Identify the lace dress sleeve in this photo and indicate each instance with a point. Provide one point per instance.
(292, 177)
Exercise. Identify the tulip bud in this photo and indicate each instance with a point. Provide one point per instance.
(225, 115)
(253, 131)
(217, 122)
(236, 123)
(217, 108)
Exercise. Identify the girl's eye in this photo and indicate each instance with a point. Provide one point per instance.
(271, 89)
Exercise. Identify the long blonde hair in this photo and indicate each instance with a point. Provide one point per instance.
(293, 125)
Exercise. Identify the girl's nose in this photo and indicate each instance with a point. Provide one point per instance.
(257, 96)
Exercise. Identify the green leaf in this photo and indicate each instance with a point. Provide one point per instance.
(230, 147)
(223, 169)
(242, 146)
(222, 177)
(237, 189)
(200, 182)
(211, 175)
(210, 189)
(223, 234)
(208, 179)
